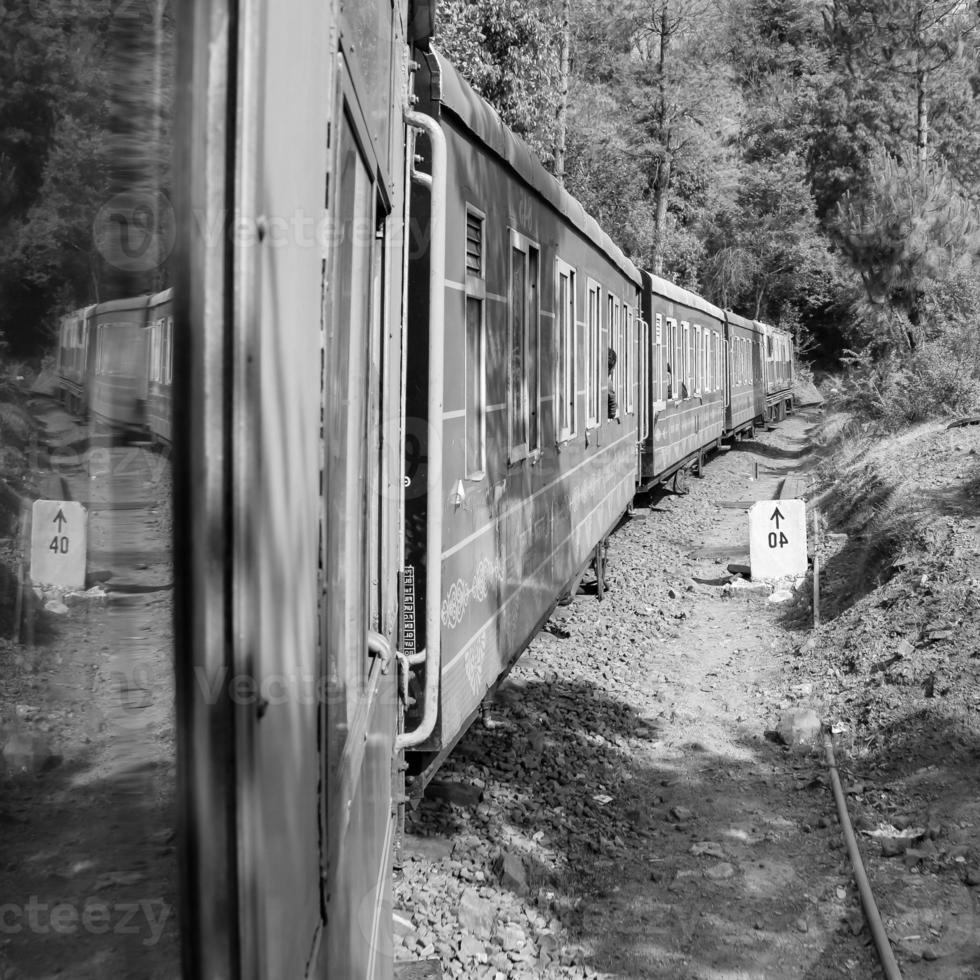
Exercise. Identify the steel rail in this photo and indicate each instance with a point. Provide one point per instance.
(878, 933)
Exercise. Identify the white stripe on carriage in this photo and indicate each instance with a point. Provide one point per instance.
(460, 287)
(446, 667)
(523, 503)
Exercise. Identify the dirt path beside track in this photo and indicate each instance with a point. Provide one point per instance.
(88, 774)
(632, 817)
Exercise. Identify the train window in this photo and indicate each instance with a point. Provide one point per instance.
(661, 358)
(709, 340)
(687, 356)
(643, 361)
(476, 383)
(594, 367)
(675, 366)
(615, 344)
(628, 359)
(523, 342)
(565, 347)
(698, 349)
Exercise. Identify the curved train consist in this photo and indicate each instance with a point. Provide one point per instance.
(402, 437)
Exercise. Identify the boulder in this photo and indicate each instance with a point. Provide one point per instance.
(800, 728)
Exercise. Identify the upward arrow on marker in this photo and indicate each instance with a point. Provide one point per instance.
(59, 519)
(777, 516)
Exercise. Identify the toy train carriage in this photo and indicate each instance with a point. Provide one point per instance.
(687, 381)
(118, 379)
(535, 472)
(74, 358)
(745, 402)
(160, 358)
(778, 372)
(287, 481)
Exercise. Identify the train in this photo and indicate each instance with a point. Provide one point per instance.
(410, 407)
(114, 364)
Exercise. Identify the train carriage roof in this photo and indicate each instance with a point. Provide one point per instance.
(130, 303)
(677, 294)
(476, 115)
(744, 322)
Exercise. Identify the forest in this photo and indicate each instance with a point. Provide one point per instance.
(812, 163)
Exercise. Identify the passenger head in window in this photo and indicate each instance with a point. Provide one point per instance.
(613, 406)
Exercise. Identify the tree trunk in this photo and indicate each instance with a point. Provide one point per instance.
(921, 118)
(562, 129)
(661, 197)
(661, 187)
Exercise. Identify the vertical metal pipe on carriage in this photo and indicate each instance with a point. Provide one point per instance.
(436, 184)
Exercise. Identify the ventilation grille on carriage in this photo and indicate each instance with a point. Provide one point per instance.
(474, 244)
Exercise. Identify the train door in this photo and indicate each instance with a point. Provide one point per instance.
(286, 453)
(646, 393)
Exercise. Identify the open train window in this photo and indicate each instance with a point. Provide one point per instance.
(709, 341)
(687, 341)
(476, 382)
(643, 378)
(675, 364)
(612, 323)
(628, 347)
(698, 348)
(595, 368)
(565, 347)
(661, 362)
(523, 337)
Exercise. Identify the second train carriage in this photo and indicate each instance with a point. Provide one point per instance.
(536, 462)
(778, 373)
(118, 379)
(74, 363)
(745, 402)
(686, 378)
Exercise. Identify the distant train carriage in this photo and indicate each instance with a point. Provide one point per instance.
(74, 358)
(526, 461)
(686, 378)
(778, 372)
(118, 379)
(745, 394)
(160, 355)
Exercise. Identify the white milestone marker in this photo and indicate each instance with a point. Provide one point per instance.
(777, 539)
(59, 539)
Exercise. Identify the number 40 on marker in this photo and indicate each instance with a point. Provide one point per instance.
(59, 542)
(777, 539)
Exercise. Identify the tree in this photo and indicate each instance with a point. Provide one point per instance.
(772, 258)
(908, 44)
(680, 96)
(911, 231)
(53, 119)
(506, 50)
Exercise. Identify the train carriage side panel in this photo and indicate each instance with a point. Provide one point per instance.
(535, 470)
(119, 379)
(744, 338)
(286, 382)
(686, 377)
(777, 366)
(160, 346)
